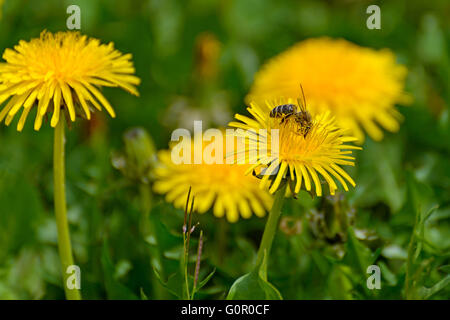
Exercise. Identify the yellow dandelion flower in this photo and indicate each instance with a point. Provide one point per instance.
(224, 187)
(61, 71)
(302, 156)
(358, 85)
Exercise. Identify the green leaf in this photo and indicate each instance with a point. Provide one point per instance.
(357, 256)
(339, 285)
(19, 219)
(165, 238)
(426, 293)
(419, 196)
(175, 283)
(114, 289)
(380, 177)
(387, 274)
(143, 295)
(254, 286)
(431, 40)
(445, 268)
(202, 283)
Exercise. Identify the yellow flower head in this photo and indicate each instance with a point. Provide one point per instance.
(225, 187)
(304, 150)
(359, 86)
(61, 71)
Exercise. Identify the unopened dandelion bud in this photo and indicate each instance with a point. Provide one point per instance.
(139, 157)
(140, 152)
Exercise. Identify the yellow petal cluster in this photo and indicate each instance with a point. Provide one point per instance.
(61, 72)
(223, 187)
(359, 86)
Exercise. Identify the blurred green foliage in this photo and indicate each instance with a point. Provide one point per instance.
(397, 217)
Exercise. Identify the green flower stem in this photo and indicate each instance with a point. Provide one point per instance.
(64, 247)
(271, 228)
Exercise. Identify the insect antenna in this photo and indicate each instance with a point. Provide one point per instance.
(302, 104)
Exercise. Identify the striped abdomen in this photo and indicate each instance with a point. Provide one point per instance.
(283, 110)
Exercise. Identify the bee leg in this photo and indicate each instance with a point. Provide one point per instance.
(306, 131)
(286, 117)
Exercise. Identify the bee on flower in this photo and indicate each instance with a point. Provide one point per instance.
(308, 147)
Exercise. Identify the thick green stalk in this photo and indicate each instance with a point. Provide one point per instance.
(64, 246)
(271, 228)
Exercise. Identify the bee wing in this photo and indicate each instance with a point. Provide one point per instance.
(302, 103)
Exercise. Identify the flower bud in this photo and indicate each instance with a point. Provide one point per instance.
(139, 156)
